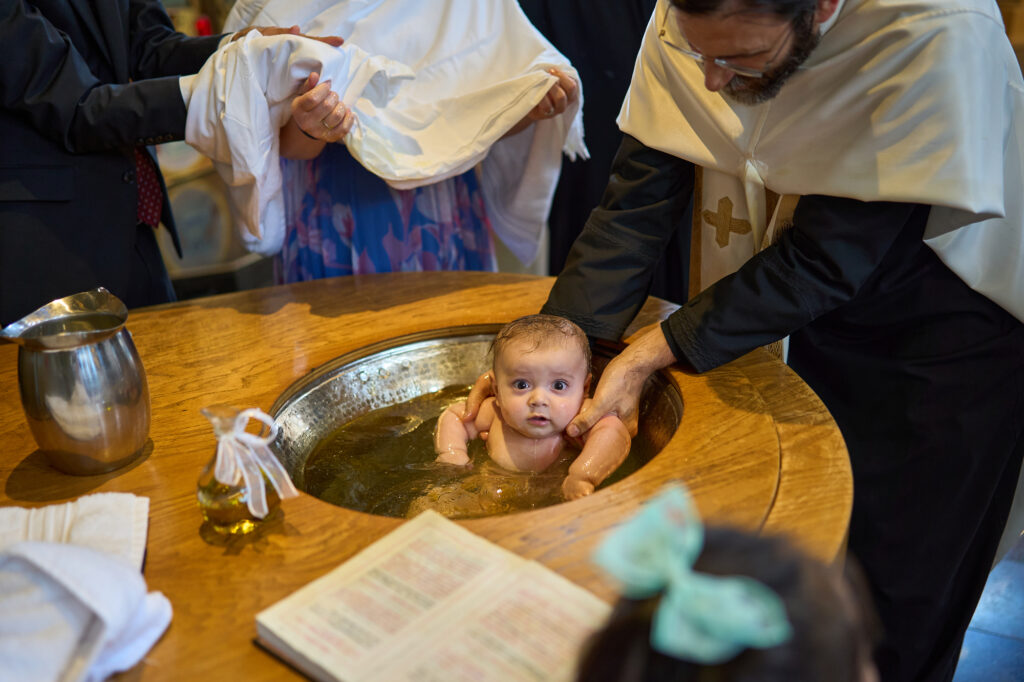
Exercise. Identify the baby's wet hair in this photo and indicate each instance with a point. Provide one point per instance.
(541, 329)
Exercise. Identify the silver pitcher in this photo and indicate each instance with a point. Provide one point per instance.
(82, 383)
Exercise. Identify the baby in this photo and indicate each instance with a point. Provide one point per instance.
(540, 376)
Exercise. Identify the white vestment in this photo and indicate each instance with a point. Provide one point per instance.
(434, 87)
(903, 100)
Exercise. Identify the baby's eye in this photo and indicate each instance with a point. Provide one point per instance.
(559, 385)
(520, 384)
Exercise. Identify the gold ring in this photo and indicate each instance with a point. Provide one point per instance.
(323, 122)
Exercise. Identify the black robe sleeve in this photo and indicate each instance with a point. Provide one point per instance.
(834, 246)
(607, 275)
(820, 263)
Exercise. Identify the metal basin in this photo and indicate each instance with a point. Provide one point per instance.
(402, 369)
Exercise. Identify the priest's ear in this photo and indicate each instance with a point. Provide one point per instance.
(825, 10)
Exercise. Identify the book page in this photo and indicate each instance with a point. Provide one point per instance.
(432, 600)
(347, 620)
(533, 629)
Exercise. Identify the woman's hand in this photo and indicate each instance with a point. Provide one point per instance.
(556, 100)
(319, 112)
(318, 117)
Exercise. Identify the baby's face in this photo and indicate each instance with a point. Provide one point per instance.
(539, 389)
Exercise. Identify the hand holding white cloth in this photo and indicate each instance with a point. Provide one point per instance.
(433, 93)
(72, 613)
(240, 99)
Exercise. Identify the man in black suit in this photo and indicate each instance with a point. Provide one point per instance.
(84, 88)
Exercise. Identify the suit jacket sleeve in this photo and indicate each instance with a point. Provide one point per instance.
(45, 78)
(157, 49)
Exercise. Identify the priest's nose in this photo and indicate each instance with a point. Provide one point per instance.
(716, 77)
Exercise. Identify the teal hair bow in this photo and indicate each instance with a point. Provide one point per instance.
(701, 618)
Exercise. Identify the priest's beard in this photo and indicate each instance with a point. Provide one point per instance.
(752, 91)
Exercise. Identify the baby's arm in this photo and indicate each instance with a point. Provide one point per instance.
(453, 434)
(605, 447)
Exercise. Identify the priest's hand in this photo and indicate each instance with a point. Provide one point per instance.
(618, 391)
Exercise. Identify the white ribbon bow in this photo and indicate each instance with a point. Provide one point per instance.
(241, 454)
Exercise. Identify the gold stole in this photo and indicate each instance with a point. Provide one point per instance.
(724, 235)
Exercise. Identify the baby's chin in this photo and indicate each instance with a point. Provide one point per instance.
(539, 429)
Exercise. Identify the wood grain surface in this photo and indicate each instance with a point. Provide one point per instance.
(755, 445)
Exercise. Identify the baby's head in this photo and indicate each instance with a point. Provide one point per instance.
(749, 609)
(540, 373)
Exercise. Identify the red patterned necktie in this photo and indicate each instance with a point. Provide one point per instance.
(150, 195)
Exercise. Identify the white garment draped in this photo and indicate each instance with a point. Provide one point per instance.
(433, 92)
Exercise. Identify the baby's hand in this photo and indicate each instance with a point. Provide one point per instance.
(453, 456)
(574, 487)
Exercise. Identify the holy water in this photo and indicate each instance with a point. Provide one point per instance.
(382, 462)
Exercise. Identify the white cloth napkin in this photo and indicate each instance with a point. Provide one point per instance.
(70, 613)
(115, 523)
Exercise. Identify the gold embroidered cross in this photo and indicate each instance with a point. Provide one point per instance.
(724, 223)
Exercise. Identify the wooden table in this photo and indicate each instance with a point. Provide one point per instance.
(755, 445)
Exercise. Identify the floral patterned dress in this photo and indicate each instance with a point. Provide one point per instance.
(343, 220)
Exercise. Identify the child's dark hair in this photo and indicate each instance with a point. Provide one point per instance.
(832, 631)
(540, 329)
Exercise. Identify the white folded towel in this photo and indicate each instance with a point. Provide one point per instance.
(72, 613)
(114, 523)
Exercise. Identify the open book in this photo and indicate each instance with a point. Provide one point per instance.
(433, 601)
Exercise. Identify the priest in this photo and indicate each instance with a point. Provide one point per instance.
(856, 170)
